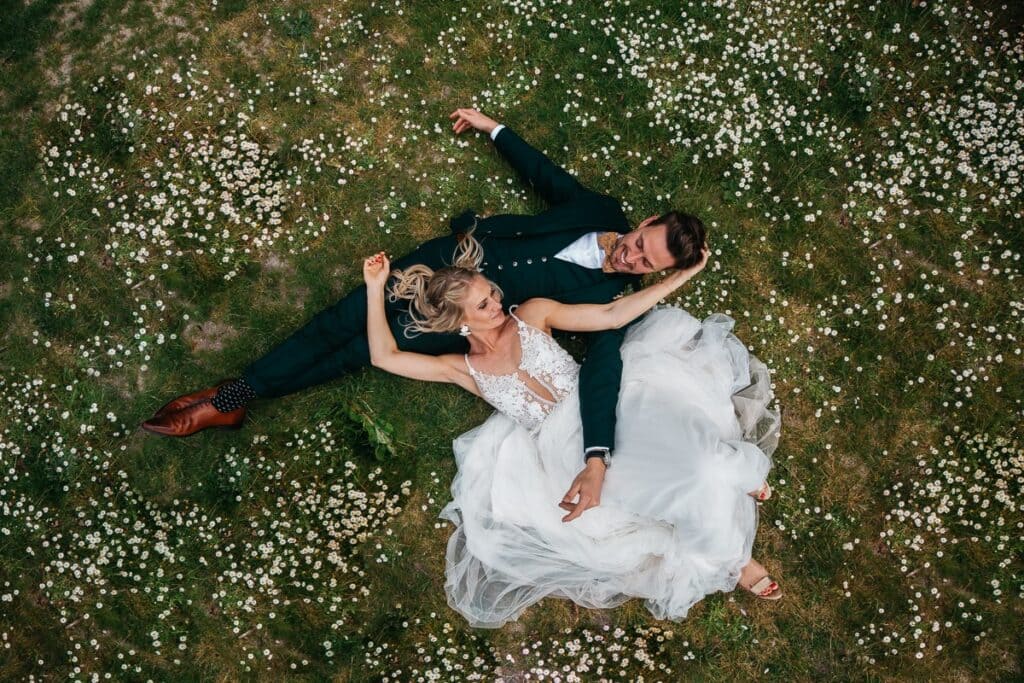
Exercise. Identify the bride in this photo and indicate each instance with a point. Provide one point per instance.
(678, 510)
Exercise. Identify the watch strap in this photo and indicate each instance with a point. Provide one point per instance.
(599, 452)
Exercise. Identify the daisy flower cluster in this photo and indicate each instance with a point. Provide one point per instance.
(955, 153)
(122, 345)
(608, 654)
(605, 654)
(956, 531)
(103, 549)
(761, 82)
(966, 494)
(173, 170)
(752, 91)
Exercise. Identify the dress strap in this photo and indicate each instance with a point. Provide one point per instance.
(465, 357)
(511, 312)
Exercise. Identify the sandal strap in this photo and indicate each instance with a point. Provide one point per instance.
(762, 585)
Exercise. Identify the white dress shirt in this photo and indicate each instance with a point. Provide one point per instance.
(585, 252)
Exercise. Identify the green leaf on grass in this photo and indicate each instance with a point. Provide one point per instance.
(379, 432)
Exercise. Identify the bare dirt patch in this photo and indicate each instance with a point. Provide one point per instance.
(274, 263)
(32, 223)
(69, 19)
(208, 336)
(278, 286)
(292, 295)
(423, 224)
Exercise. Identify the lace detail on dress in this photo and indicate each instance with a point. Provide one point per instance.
(543, 361)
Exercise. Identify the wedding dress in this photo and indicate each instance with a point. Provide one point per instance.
(675, 523)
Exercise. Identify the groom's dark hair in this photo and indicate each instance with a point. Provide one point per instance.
(684, 235)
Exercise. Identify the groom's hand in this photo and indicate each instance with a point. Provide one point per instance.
(586, 485)
(470, 118)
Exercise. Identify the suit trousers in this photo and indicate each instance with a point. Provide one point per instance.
(334, 342)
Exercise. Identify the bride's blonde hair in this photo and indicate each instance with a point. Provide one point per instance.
(437, 296)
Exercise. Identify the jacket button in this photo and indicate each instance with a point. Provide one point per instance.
(499, 266)
(543, 259)
(529, 261)
(515, 263)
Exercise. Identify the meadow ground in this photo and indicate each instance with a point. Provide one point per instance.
(183, 183)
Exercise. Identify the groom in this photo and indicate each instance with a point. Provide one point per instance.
(580, 250)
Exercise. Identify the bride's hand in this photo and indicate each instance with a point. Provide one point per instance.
(376, 270)
(680, 277)
(688, 273)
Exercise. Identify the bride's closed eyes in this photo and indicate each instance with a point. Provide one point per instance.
(483, 304)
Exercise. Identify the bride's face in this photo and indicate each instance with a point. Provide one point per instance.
(481, 308)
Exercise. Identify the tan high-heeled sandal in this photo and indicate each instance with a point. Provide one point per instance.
(765, 583)
(762, 494)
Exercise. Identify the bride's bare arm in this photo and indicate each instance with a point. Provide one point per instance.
(384, 351)
(547, 313)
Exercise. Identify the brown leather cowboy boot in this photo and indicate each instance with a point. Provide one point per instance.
(185, 400)
(194, 418)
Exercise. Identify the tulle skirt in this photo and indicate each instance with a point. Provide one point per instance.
(694, 435)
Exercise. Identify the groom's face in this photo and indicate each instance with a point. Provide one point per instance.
(644, 250)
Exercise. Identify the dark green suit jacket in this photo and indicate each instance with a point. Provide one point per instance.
(519, 255)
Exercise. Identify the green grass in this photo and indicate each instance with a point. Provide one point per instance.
(361, 92)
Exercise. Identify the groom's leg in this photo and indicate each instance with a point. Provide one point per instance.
(351, 357)
(313, 354)
(319, 351)
(355, 355)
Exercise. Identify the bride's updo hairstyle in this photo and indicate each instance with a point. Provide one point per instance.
(437, 296)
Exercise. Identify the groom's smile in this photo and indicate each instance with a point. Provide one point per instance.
(644, 250)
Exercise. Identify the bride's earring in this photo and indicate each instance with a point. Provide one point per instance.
(464, 330)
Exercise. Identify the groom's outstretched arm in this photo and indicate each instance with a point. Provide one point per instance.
(553, 183)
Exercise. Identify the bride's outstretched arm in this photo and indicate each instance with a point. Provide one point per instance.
(384, 351)
(613, 315)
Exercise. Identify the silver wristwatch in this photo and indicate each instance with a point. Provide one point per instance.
(603, 453)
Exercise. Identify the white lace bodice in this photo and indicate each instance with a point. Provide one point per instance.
(543, 362)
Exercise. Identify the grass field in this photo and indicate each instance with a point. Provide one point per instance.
(184, 183)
